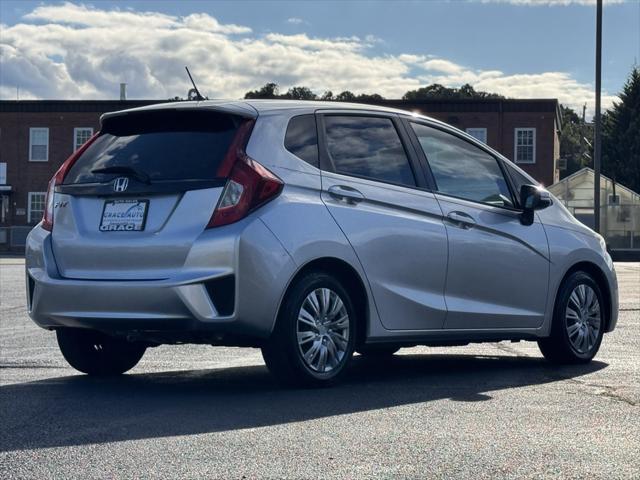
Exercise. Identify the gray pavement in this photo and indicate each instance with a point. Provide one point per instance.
(482, 411)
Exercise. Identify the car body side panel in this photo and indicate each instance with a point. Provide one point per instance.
(302, 223)
(498, 269)
(398, 235)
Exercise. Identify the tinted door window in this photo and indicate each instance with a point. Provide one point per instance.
(301, 138)
(461, 169)
(367, 147)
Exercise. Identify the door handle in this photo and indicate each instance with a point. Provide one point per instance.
(345, 193)
(461, 219)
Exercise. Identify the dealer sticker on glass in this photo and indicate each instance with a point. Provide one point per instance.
(124, 215)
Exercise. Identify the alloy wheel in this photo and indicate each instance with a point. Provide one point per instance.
(582, 318)
(323, 330)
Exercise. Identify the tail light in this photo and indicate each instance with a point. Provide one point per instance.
(57, 179)
(249, 184)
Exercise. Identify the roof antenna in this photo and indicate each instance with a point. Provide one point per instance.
(194, 93)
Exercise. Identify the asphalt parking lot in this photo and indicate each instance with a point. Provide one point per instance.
(193, 411)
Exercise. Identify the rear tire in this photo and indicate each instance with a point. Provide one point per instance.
(578, 322)
(314, 337)
(377, 352)
(95, 353)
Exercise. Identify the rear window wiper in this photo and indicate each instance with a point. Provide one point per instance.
(124, 170)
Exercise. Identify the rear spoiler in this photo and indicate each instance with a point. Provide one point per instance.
(236, 108)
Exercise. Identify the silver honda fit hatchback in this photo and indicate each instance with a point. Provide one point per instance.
(310, 230)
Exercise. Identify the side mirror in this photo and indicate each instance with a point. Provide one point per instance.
(532, 198)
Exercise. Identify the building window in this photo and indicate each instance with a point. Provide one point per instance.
(3, 173)
(80, 136)
(479, 134)
(525, 145)
(38, 144)
(36, 206)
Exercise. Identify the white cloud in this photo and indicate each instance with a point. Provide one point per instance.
(202, 21)
(295, 20)
(444, 66)
(75, 51)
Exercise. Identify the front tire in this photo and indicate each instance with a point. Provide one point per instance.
(95, 353)
(578, 322)
(314, 337)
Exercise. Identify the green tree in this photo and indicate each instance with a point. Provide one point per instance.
(327, 96)
(437, 91)
(575, 142)
(300, 93)
(621, 135)
(269, 90)
(369, 97)
(345, 96)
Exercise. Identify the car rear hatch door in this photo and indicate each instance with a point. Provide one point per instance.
(131, 206)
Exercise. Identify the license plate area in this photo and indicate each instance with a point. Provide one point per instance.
(124, 215)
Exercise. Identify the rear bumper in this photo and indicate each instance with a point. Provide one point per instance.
(180, 308)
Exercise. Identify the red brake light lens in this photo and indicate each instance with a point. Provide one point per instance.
(249, 184)
(57, 179)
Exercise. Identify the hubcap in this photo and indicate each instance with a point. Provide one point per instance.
(583, 318)
(323, 330)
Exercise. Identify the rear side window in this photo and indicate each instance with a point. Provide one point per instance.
(301, 138)
(367, 147)
(461, 169)
(162, 145)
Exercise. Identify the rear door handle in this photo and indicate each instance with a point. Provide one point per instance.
(461, 219)
(345, 193)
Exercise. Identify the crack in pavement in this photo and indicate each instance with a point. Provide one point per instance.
(605, 390)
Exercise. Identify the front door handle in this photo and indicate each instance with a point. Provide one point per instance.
(345, 193)
(461, 219)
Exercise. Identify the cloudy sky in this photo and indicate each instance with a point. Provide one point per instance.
(519, 48)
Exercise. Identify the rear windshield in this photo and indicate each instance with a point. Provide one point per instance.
(160, 145)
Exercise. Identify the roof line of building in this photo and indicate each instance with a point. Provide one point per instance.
(589, 170)
(481, 104)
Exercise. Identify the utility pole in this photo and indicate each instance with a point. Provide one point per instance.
(598, 122)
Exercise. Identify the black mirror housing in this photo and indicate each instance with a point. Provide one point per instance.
(533, 197)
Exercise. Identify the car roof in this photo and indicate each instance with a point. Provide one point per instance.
(265, 105)
(255, 107)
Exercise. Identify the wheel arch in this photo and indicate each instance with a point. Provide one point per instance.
(352, 280)
(599, 277)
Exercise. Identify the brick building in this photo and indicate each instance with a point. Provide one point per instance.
(36, 136)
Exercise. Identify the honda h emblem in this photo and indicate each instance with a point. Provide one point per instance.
(120, 184)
